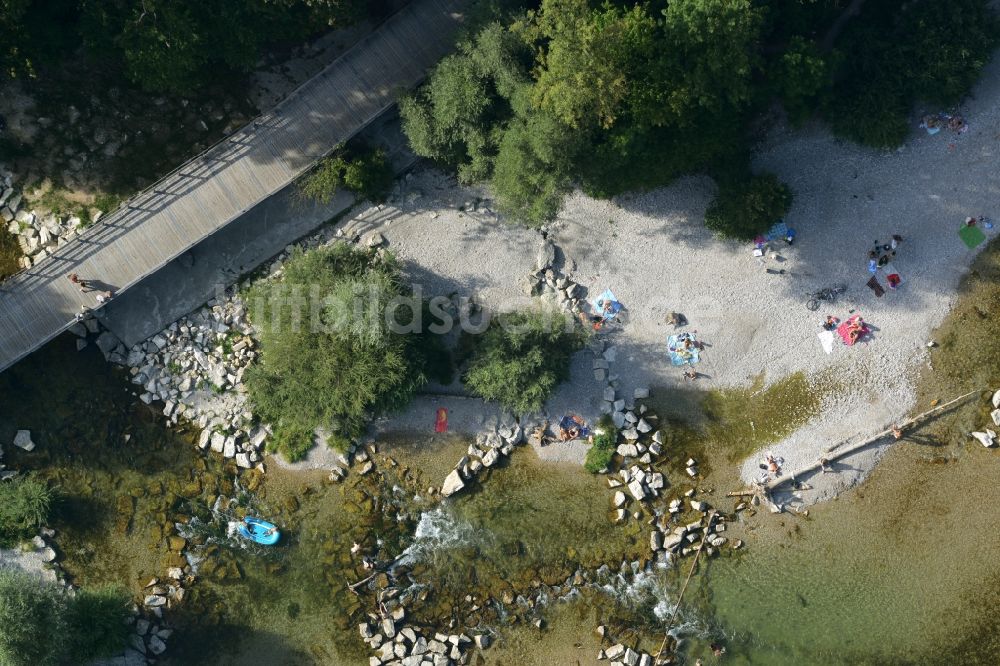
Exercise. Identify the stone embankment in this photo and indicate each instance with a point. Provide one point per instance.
(39, 234)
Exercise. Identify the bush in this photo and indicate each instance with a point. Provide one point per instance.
(25, 504)
(39, 625)
(367, 173)
(602, 452)
(743, 209)
(521, 358)
(332, 362)
(32, 621)
(96, 621)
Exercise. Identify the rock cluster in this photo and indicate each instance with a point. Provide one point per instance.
(39, 235)
(988, 437)
(195, 368)
(489, 449)
(399, 644)
(628, 415)
(622, 655)
(169, 592)
(42, 548)
(148, 636)
(549, 282)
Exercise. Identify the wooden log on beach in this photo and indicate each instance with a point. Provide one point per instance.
(834, 452)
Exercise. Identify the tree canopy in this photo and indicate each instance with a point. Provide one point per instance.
(619, 96)
(163, 45)
(328, 356)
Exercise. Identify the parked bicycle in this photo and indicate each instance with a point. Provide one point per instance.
(828, 294)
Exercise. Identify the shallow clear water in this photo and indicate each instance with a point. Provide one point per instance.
(902, 570)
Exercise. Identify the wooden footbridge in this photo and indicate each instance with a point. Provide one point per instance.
(218, 186)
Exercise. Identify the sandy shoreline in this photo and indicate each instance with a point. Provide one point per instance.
(652, 249)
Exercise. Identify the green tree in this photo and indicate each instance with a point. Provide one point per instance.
(328, 357)
(896, 53)
(597, 65)
(532, 171)
(459, 116)
(167, 46)
(33, 622)
(713, 56)
(25, 505)
(521, 358)
(803, 75)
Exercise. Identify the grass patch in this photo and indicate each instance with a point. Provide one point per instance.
(602, 451)
(742, 420)
(10, 252)
(964, 358)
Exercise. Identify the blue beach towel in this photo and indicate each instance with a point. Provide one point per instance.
(678, 355)
(598, 305)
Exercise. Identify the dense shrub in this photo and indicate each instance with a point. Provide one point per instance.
(25, 503)
(744, 208)
(366, 172)
(96, 622)
(897, 54)
(602, 451)
(521, 358)
(33, 621)
(41, 626)
(328, 357)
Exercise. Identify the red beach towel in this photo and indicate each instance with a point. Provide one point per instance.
(441, 423)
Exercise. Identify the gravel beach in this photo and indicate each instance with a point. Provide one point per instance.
(653, 250)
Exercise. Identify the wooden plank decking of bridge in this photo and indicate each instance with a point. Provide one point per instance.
(218, 186)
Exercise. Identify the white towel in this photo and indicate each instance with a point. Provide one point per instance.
(826, 338)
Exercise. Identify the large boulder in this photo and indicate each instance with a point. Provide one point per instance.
(452, 483)
(637, 489)
(546, 255)
(491, 457)
(107, 342)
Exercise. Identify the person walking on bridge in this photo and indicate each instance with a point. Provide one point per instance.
(75, 279)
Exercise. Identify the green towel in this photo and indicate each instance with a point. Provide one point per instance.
(971, 236)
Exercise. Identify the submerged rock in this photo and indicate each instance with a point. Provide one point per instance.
(23, 440)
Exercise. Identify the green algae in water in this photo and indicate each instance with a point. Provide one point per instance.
(742, 420)
(122, 478)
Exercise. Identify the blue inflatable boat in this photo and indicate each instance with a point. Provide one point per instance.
(259, 531)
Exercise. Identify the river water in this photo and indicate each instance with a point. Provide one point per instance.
(902, 570)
